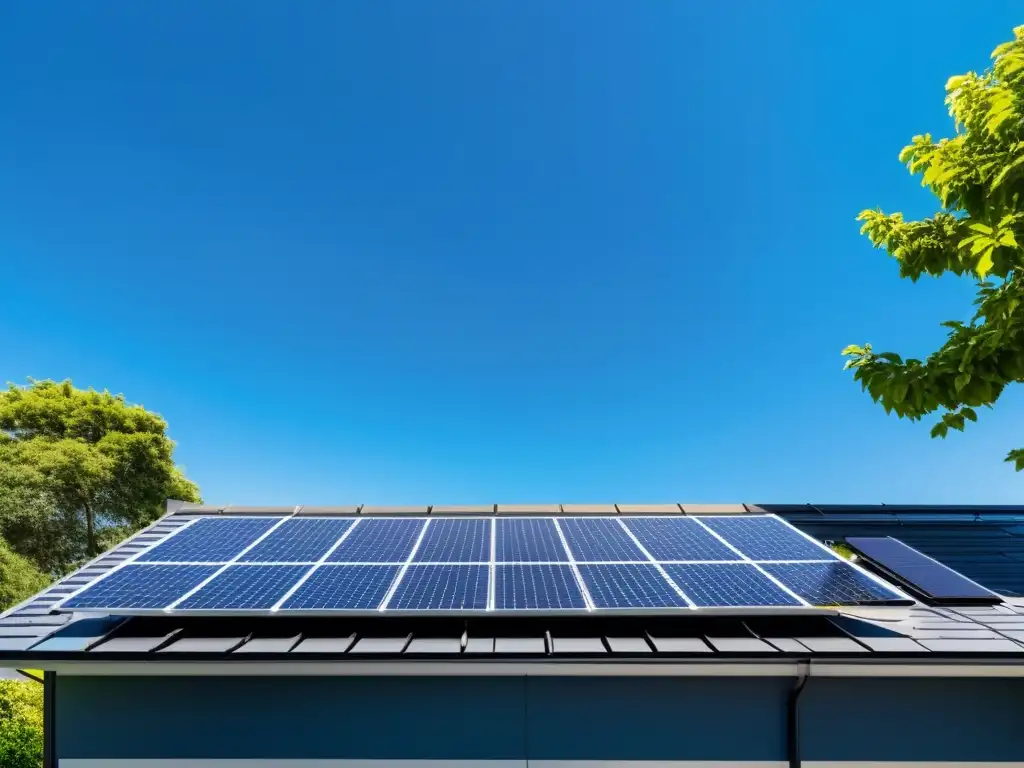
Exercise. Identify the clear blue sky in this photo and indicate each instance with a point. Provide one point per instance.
(372, 251)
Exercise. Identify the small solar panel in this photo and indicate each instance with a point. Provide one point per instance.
(244, 587)
(935, 582)
(209, 540)
(734, 585)
(387, 540)
(536, 587)
(441, 588)
(599, 539)
(766, 538)
(141, 587)
(519, 540)
(449, 540)
(300, 540)
(342, 588)
(629, 586)
(678, 538)
(836, 583)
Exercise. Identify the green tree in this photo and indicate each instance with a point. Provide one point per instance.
(79, 469)
(19, 578)
(21, 724)
(978, 177)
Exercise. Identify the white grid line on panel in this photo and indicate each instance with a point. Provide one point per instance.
(587, 599)
(305, 577)
(664, 574)
(228, 564)
(405, 567)
(485, 562)
(760, 570)
(490, 566)
(119, 566)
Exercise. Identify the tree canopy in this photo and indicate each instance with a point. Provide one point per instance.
(978, 177)
(19, 578)
(79, 470)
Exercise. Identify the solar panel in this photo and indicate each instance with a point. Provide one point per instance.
(342, 588)
(678, 538)
(835, 583)
(526, 540)
(441, 588)
(209, 540)
(765, 538)
(378, 541)
(536, 587)
(141, 587)
(599, 539)
(454, 540)
(629, 586)
(278, 564)
(244, 587)
(735, 584)
(924, 575)
(301, 540)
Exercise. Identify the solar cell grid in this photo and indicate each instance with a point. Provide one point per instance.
(835, 583)
(629, 586)
(599, 539)
(450, 540)
(302, 540)
(342, 588)
(520, 540)
(441, 588)
(388, 540)
(245, 587)
(733, 585)
(533, 587)
(141, 587)
(678, 538)
(765, 538)
(209, 540)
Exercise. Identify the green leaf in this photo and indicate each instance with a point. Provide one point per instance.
(1007, 238)
(969, 413)
(853, 349)
(983, 228)
(939, 430)
(985, 263)
(892, 357)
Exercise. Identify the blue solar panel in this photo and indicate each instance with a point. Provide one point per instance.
(835, 583)
(528, 540)
(926, 576)
(766, 538)
(728, 585)
(245, 587)
(441, 588)
(301, 540)
(456, 541)
(599, 538)
(141, 587)
(678, 538)
(530, 587)
(210, 540)
(343, 588)
(387, 540)
(629, 586)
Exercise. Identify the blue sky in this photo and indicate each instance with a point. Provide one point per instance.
(458, 252)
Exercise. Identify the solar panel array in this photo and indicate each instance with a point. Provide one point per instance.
(292, 565)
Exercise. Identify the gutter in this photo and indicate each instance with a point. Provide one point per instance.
(793, 717)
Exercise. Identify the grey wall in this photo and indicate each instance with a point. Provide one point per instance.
(535, 718)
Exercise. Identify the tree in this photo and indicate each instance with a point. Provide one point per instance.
(21, 724)
(19, 578)
(978, 177)
(80, 469)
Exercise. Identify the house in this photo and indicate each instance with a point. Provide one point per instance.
(917, 684)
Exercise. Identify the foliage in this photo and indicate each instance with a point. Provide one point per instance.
(77, 468)
(21, 724)
(19, 578)
(978, 177)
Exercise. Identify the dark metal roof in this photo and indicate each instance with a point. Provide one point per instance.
(30, 633)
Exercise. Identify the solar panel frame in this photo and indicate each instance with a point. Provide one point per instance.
(332, 558)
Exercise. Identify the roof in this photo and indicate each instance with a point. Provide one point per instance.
(865, 637)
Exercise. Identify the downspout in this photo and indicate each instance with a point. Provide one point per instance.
(793, 715)
(49, 721)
